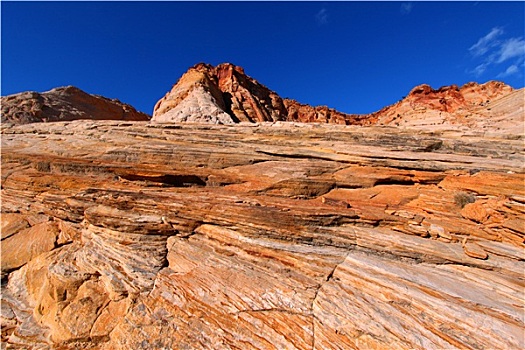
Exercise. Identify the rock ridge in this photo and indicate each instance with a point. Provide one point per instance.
(224, 94)
(240, 96)
(65, 104)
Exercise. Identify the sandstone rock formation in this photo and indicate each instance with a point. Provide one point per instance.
(131, 235)
(232, 96)
(490, 106)
(225, 94)
(64, 104)
(298, 112)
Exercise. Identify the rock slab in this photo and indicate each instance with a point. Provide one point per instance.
(261, 236)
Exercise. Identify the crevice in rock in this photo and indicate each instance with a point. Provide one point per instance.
(227, 97)
(286, 311)
(300, 156)
(168, 180)
(392, 181)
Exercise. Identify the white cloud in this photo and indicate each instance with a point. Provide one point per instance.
(510, 71)
(406, 8)
(486, 43)
(480, 69)
(511, 48)
(321, 17)
(492, 50)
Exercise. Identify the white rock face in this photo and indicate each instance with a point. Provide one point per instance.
(198, 107)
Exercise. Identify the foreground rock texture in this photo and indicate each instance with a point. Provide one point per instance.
(225, 94)
(64, 104)
(261, 236)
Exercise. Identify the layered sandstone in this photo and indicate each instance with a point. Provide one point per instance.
(298, 112)
(225, 94)
(232, 96)
(64, 104)
(121, 235)
(470, 105)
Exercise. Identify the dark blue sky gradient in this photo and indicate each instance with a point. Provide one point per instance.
(356, 57)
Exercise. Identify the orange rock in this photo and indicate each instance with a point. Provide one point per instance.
(225, 94)
(27, 244)
(475, 211)
(64, 104)
(469, 105)
(217, 236)
(475, 251)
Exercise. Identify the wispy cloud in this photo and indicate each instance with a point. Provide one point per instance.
(509, 71)
(486, 43)
(321, 17)
(511, 48)
(493, 49)
(406, 8)
(480, 69)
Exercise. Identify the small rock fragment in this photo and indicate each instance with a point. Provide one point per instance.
(474, 212)
(474, 251)
(438, 231)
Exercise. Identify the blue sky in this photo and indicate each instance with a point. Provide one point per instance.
(356, 57)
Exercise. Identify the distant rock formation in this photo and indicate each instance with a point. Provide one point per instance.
(65, 104)
(298, 112)
(230, 95)
(225, 94)
(469, 105)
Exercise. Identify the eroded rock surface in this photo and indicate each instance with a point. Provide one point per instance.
(231, 96)
(261, 236)
(493, 106)
(225, 94)
(64, 104)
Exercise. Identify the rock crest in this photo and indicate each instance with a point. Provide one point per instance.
(225, 94)
(238, 95)
(234, 94)
(470, 105)
(65, 104)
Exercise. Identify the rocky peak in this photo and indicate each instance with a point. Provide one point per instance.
(194, 98)
(426, 107)
(70, 89)
(222, 94)
(453, 96)
(65, 104)
(238, 95)
(225, 94)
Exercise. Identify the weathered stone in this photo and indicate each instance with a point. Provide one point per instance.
(225, 94)
(62, 104)
(27, 244)
(269, 235)
(475, 251)
(475, 212)
(490, 107)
